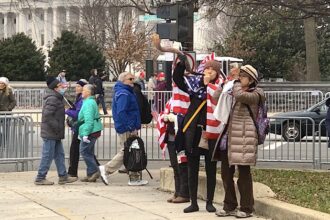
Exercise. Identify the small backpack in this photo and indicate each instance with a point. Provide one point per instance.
(261, 122)
(135, 157)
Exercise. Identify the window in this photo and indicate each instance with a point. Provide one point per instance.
(29, 16)
(14, 20)
(3, 21)
(42, 17)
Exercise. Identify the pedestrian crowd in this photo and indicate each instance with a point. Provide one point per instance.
(191, 131)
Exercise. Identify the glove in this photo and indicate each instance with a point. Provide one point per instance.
(85, 139)
(182, 58)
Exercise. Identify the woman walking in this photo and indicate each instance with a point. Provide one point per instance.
(89, 130)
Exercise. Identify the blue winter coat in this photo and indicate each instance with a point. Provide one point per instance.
(125, 109)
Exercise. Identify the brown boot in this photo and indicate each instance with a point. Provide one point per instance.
(170, 200)
(180, 199)
(94, 176)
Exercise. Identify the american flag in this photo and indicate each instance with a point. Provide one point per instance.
(180, 102)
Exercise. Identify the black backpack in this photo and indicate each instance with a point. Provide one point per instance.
(135, 157)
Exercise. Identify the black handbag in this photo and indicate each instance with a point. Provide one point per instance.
(71, 122)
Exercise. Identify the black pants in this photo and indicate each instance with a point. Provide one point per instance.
(244, 184)
(100, 99)
(74, 155)
(193, 165)
(180, 172)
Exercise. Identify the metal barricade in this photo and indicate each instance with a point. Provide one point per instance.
(291, 139)
(29, 98)
(283, 101)
(158, 99)
(324, 146)
(15, 139)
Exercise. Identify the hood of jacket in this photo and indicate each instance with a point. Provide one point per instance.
(119, 86)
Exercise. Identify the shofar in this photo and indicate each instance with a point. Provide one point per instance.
(156, 41)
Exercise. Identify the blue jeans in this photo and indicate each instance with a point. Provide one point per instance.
(87, 152)
(51, 149)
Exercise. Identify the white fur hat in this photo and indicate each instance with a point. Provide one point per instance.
(4, 80)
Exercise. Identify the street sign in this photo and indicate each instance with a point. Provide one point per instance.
(191, 57)
(148, 17)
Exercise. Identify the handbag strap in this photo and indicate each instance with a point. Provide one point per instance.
(194, 115)
(251, 114)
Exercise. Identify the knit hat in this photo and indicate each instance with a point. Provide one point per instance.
(4, 80)
(216, 65)
(52, 82)
(82, 82)
(251, 71)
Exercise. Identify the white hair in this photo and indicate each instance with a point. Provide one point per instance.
(235, 65)
(90, 88)
(123, 75)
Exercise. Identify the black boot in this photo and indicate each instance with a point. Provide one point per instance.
(210, 207)
(192, 208)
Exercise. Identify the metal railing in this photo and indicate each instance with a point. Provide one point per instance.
(284, 101)
(277, 101)
(292, 139)
(23, 144)
(324, 146)
(29, 98)
(288, 141)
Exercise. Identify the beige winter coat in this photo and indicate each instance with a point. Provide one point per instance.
(242, 133)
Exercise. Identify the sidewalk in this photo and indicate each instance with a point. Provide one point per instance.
(21, 199)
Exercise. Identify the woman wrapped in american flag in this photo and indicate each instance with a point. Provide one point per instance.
(198, 121)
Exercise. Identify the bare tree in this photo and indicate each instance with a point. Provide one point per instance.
(114, 27)
(308, 10)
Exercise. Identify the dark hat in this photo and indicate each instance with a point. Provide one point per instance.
(216, 65)
(82, 82)
(52, 82)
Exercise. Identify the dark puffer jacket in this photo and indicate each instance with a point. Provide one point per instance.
(53, 114)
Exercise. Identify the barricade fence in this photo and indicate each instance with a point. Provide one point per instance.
(277, 101)
(291, 139)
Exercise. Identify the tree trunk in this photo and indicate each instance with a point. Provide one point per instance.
(312, 58)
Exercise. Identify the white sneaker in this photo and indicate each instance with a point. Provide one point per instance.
(143, 182)
(104, 176)
(138, 183)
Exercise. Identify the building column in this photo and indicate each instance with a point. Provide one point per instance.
(5, 25)
(35, 28)
(21, 22)
(67, 18)
(81, 18)
(46, 34)
(55, 24)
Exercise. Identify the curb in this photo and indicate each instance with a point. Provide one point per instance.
(265, 203)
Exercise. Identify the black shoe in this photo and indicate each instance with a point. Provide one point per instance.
(191, 208)
(123, 171)
(210, 207)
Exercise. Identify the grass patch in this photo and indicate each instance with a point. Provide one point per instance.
(303, 188)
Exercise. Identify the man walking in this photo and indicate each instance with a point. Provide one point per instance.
(52, 132)
(126, 116)
(96, 80)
